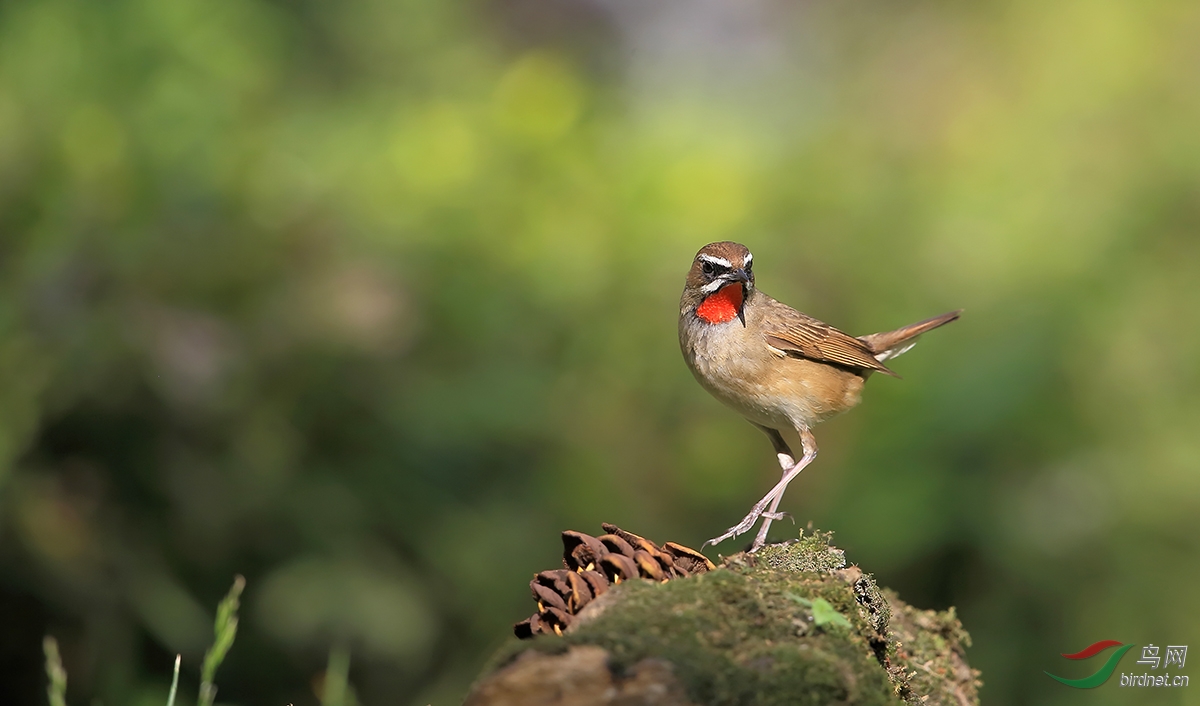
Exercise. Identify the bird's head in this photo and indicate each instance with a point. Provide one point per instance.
(719, 283)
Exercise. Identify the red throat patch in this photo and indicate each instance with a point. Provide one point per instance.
(723, 306)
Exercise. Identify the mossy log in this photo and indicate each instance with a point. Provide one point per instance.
(792, 624)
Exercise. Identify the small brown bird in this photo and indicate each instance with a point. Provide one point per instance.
(779, 368)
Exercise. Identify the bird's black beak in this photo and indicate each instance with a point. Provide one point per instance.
(740, 275)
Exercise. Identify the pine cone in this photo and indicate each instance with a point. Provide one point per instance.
(595, 563)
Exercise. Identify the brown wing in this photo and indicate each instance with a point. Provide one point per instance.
(801, 335)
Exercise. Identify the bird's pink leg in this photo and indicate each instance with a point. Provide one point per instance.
(766, 508)
(786, 460)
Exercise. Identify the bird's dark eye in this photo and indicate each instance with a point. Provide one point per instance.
(708, 268)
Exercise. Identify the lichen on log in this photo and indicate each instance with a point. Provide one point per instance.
(792, 624)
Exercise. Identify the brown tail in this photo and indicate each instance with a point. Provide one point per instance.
(890, 344)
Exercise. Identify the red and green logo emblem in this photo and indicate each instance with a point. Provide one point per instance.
(1101, 674)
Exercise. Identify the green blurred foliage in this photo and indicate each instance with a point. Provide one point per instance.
(367, 301)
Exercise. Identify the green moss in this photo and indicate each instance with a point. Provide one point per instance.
(931, 647)
(737, 638)
(808, 553)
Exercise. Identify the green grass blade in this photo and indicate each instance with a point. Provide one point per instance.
(224, 631)
(174, 682)
(56, 690)
(337, 678)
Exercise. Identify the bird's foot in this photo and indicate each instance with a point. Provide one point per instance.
(760, 539)
(744, 526)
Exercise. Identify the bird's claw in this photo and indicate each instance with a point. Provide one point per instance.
(744, 526)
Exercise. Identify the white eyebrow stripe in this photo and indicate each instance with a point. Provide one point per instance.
(716, 260)
(749, 258)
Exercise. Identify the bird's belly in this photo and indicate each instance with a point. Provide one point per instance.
(770, 390)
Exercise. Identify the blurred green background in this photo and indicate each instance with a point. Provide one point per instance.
(367, 301)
